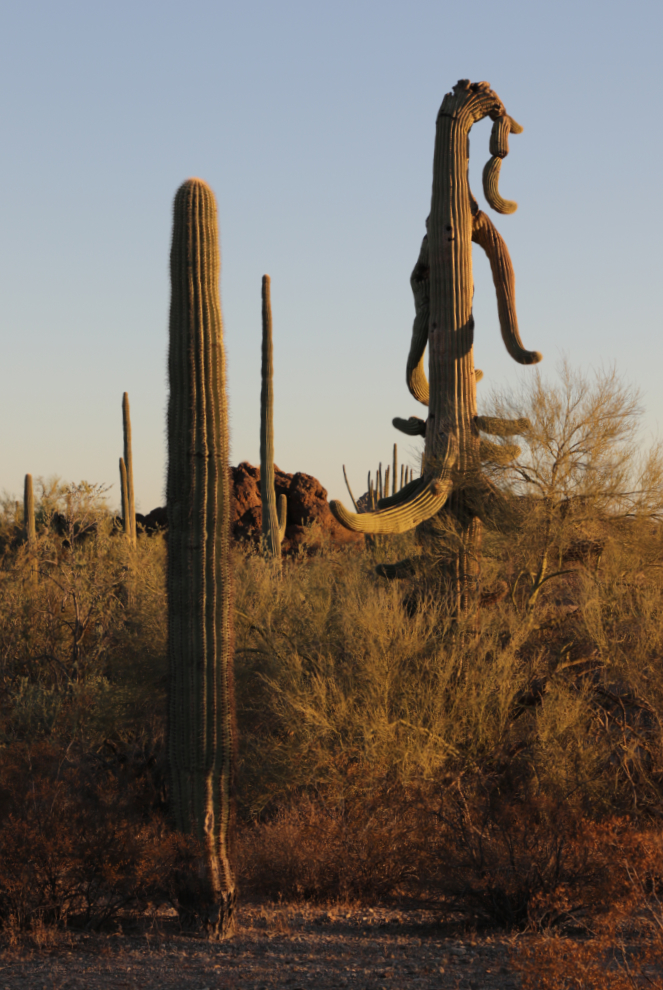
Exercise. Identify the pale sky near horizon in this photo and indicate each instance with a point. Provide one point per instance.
(314, 124)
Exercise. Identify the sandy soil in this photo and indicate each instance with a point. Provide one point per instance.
(274, 947)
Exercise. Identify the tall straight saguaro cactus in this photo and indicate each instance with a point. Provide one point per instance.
(452, 482)
(29, 510)
(129, 467)
(273, 522)
(200, 635)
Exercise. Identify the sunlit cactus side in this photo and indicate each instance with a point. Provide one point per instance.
(200, 632)
(443, 287)
(29, 525)
(129, 469)
(273, 521)
(124, 490)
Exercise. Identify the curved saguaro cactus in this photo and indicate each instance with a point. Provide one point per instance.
(200, 641)
(129, 468)
(273, 522)
(442, 286)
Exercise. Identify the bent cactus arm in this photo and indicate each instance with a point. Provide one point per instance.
(422, 499)
(499, 149)
(485, 234)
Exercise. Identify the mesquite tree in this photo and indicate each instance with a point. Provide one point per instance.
(200, 648)
(453, 485)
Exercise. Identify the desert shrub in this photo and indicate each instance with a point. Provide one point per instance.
(82, 639)
(81, 838)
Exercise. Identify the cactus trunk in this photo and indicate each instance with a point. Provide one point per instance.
(124, 490)
(129, 467)
(29, 510)
(273, 522)
(200, 640)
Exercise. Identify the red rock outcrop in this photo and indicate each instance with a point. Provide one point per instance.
(309, 521)
(309, 518)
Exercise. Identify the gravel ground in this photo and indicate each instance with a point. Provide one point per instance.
(274, 947)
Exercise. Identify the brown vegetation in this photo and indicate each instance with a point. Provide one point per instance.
(511, 775)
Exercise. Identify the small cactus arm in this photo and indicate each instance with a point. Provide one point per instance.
(408, 507)
(129, 464)
(273, 521)
(499, 149)
(201, 724)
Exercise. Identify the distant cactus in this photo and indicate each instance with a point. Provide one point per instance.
(29, 526)
(442, 286)
(129, 469)
(273, 522)
(124, 489)
(200, 634)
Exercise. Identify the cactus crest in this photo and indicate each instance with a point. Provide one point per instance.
(200, 636)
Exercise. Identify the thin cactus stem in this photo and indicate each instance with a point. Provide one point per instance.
(347, 483)
(271, 529)
(29, 525)
(387, 471)
(129, 464)
(402, 476)
(393, 477)
(126, 515)
(200, 634)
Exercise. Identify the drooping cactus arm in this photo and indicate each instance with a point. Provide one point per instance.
(415, 373)
(499, 149)
(420, 500)
(485, 234)
(413, 427)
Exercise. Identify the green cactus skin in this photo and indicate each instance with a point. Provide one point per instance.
(442, 285)
(200, 634)
(124, 489)
(29, 525)
(129, 464)
(273, 522)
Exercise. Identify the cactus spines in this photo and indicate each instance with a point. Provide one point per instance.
(129, 466)
(273, 522)
(29, 525)
(200, 637)
(126, 515)
(442, 286)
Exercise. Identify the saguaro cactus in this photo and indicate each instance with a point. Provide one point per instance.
(129, 470)
(443, 287)
(124, 490)
(200, 639)
(273, 523)
(29, 525)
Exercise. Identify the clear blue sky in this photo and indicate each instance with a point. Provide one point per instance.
(314, 124)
